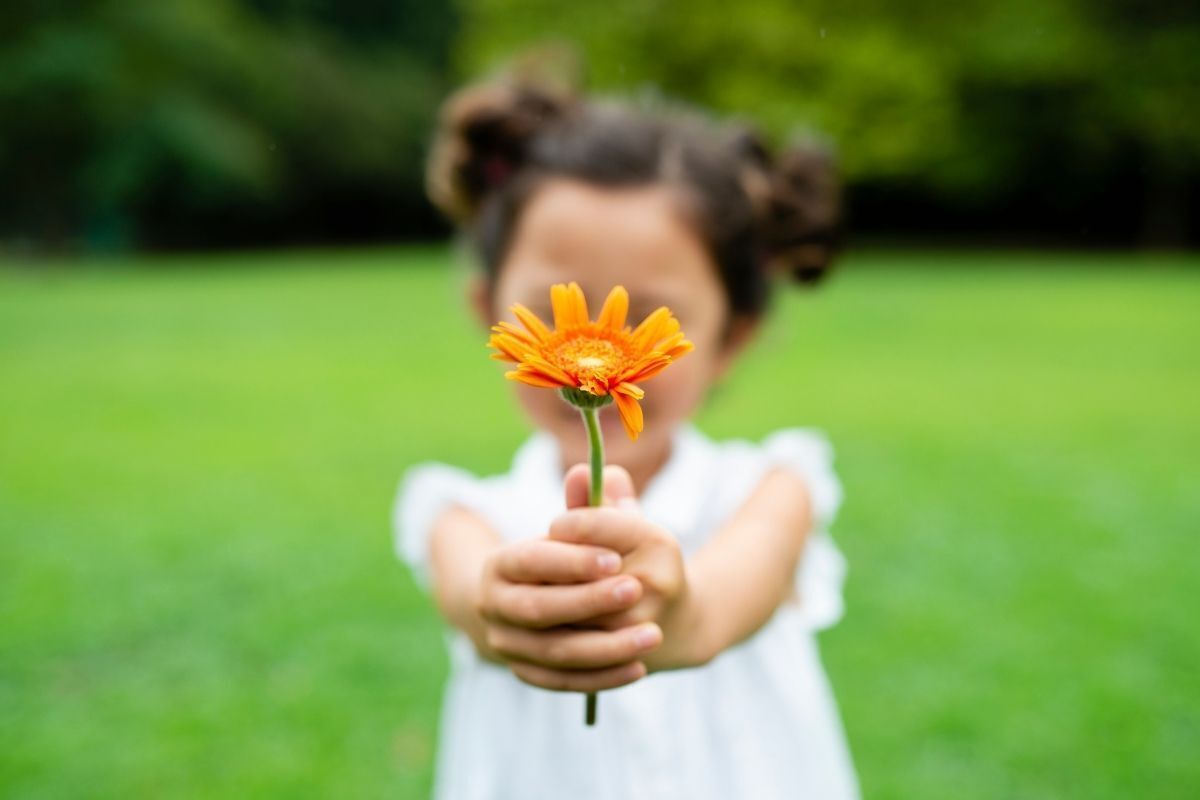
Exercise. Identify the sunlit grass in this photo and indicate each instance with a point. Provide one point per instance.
(198, 595)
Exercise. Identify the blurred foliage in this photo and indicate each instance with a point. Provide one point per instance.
(990, 103)
(191, 121)
(178, 123)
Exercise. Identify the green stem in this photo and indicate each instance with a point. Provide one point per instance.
(595, 498)
(595, 456)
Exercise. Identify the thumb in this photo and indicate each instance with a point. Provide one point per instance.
(618, 487)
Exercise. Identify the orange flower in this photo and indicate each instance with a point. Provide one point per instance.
(605, 359)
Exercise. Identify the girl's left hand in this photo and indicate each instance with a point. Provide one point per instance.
(648, 552)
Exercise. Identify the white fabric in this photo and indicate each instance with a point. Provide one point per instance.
(759, 721)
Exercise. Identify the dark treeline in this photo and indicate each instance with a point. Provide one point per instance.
(193, 123)
(218, 123)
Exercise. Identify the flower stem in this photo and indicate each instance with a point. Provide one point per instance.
(595, 456)
(595, 498)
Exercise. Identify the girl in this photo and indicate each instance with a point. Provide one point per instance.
(698, 589)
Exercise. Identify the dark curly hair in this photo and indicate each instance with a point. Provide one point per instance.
(759, 213)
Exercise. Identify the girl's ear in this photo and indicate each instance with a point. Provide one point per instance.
(479, 298)
(742, 331)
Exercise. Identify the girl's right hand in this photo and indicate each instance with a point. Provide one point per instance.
(530, 595)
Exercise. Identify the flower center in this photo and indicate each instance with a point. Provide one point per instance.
(593, 359)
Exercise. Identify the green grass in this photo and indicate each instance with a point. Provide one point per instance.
(198, 596)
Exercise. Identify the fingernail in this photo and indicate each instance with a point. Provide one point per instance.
(625, 591)
(608, 562)
(627, 504)
(645, 637)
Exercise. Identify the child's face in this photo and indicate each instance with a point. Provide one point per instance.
(571, 231)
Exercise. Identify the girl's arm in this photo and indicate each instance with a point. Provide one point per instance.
(738, 579)
(459, 546)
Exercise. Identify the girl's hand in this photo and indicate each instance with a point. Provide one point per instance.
(649, 553)
(533, 591)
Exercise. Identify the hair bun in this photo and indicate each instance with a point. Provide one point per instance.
(797, 199)
(483, 139)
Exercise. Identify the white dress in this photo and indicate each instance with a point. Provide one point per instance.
(759, 721)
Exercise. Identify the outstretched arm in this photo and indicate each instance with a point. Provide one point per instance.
(459, 546)
(746, 571)
(561, 616)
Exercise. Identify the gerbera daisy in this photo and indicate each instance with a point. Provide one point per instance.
(592, 363)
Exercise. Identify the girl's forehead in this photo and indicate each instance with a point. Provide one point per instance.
(600, 237)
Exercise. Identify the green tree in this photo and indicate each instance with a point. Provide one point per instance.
(977, 101)
(211, 121)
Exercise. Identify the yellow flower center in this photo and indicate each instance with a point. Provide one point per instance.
(593, 357)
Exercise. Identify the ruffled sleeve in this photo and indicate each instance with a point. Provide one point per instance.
(426, 490)
(822, 571)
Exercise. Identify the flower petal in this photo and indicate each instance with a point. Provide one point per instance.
(616, 307)
(631, 414)
(509, 346)
(531, 322)
(630, 389)
(513, 330)
(683, 348)
(646, 368)
(653, 329)
(579, 302)
(570, 306)
(532, 378)
(674, 345)
(543, 366)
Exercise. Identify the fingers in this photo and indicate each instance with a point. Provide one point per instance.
(575, 486)
(644, 611)
(618, 486)
(572, 649)
(549, 606)
(581, 681)
(604, 527)
(548, 561)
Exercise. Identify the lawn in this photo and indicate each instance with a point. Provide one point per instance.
(198, 455)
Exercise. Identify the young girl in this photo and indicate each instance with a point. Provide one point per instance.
(698, 589)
